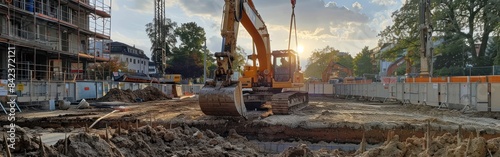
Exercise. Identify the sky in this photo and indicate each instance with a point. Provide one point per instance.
(346, 25)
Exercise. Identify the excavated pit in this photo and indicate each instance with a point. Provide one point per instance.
(327, 123)
(343, 132)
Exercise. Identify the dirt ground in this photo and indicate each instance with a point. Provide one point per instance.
(323, 113)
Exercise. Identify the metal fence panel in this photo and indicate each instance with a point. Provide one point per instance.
(99, 89)
(106, 87)
(392, 91)
(355, 90)
(453, 93)
(422, 92)
(495, 97)
(443, 93)
(482, 97)
(318, 89)
(328, 89)
(340, 89)
(465, 97)
(399, 91)
(310, 88)
(473, 94)
(414, 95)
(432, 94)
(406, 92)
(86, 90)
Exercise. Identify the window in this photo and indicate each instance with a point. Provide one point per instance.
(134, 61)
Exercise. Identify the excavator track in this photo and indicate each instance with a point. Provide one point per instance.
(222, 101)
(288, 102)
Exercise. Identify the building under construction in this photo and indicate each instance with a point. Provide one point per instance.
(54, 39)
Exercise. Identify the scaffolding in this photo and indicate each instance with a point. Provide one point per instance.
(55, 39)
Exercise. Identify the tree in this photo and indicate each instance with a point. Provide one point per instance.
(475, 20)
(345, 59)
(404, 33)
(319, 60)
(363, 62)
(187, 58)
(164, 38)
(104, 69)
(493, 51)
(451, 54)
(239, 59)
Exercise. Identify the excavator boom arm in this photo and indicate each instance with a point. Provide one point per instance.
(244, 12)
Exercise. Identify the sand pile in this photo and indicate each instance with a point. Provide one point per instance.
(446, 145)
(147, 94)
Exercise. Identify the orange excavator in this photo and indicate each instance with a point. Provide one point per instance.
(333, 71)
(263, 83)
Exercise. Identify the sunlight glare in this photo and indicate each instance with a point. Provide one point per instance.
(300, 49)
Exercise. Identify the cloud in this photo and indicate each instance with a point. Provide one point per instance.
(140, 6)
(384, 2)
(357, 6)
(315, 17)
(145, 6)
(211, 8)
(382, 19)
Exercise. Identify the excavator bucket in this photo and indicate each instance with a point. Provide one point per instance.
(222, 101)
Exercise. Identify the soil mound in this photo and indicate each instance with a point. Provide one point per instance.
(445, 145)
(147, 94)
(151, 93)
(158, 141)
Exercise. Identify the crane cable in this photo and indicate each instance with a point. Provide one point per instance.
(292, 22)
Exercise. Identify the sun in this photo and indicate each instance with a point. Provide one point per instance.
(300, 49)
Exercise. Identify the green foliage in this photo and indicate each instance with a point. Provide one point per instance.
(346, 60)
(363, 62)
(474, 20)
(470, 21)
(401, 70)
(319, 60)
(239, 59)
(493, 50)
(187, 59)
(104, 69)
(192, 37)
(451, 53)
(166, 39)
(404, 33)
(449, 71)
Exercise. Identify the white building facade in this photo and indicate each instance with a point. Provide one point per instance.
(134, 58)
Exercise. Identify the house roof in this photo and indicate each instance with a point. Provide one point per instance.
(140, 53)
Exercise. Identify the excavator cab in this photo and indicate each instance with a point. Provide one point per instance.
(286, 69)
(284, 63)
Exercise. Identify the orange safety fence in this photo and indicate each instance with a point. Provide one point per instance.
(489, 78)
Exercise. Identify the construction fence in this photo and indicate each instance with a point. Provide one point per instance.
(466, 96)
(36, 92)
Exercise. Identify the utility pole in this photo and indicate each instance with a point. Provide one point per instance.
(425, 38)
(205, 62)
